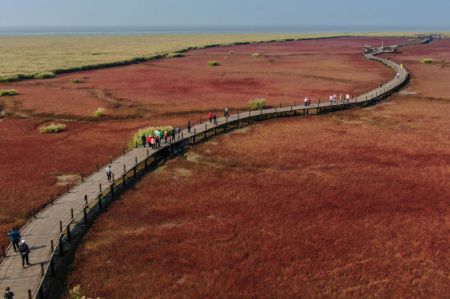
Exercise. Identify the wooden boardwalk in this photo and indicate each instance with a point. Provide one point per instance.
(51, 228)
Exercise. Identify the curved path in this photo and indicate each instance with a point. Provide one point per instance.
(50, 231)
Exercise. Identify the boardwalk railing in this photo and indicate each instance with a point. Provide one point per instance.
(53, 230)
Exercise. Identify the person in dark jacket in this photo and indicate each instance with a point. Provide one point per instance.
(14, 236)
(144, 140)
(173, 132)
(24, 252)
(215, 119)
(8, 294)
(189, 126)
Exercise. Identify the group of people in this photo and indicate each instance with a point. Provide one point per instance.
(346, 98)
(307, 101)
(154, 140)
(19, 245)
(213, 117)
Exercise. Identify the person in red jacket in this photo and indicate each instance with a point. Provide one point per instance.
(210, 116)
(149, 140)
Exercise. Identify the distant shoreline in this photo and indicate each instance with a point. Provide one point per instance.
(188, 30)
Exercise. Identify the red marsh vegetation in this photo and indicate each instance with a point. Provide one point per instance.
(168, 91)
(345, 205)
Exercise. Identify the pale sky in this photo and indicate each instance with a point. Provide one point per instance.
(224, 13)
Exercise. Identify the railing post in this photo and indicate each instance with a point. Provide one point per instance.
(100, 201)
(86, 199)
(42, 269)
(69, 235)
(52, 246)
(100, 187)
(60, 227)
(85, 215)
(82, 178)
(134, 172)
(29, 294)
(71, 214)
(67, 188)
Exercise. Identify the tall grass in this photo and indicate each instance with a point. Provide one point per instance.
(257, 103)
(8, 92)
(175, 55)
(54, 127)
(214, 63)
(44, 75)
(99, 112)
(136, 138)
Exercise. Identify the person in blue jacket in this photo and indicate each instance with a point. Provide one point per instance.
(14, 236)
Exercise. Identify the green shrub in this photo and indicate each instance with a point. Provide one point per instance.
(44, 75)
(76, 293)
(175, 55)
(8, 92)
(256, 55)
(76, 81)
(52, 128)
(99, 112)
(256, 104)
(427, 60)
(214, 63)
(136, 138)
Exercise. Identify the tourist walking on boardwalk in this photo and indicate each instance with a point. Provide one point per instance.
(347, 97)
(189, 126)
(215, 118)
(14, 236)
(225, 113)
(173, 132)
(144, 139)
(166, 136)
(398, 75)
(152, 142)
(24, 251)
(8, 294)
(108, 172)
(332, 99)
(306, 101)
(210, 116)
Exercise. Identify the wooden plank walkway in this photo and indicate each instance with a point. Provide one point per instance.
(50, 224)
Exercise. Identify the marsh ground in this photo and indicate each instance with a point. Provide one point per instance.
(352, 204)
(169, 91)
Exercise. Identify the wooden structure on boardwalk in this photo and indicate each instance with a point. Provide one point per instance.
(53, 232)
